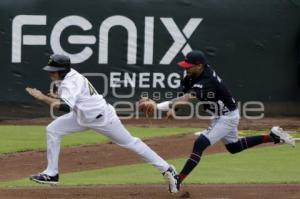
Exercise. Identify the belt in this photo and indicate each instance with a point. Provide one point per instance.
(227, 112)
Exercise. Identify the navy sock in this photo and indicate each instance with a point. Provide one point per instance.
(199, 146)
(248, 142)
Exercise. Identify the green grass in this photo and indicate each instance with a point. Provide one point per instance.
(264, 165)
(26, 138)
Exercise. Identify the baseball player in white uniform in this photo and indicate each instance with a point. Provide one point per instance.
(88, 110)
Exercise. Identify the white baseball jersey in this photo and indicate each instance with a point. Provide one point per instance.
(77, 92)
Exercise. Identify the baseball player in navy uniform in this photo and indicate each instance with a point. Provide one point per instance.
(202, 83)
(87, 110)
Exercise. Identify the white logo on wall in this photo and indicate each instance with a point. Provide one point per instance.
(125, 79)
(180, 37)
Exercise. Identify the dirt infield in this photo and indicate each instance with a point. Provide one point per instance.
(20, 165)
(260, 191)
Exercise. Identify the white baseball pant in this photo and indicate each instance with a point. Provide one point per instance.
(111, 128)
(223, 128)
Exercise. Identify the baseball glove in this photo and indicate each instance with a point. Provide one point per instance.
(147, 106)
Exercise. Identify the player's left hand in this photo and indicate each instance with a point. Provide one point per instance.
(147, 105)
(37, 94)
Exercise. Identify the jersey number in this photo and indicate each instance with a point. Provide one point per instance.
(92, 89)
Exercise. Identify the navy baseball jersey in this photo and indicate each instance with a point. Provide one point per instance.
(210, 89)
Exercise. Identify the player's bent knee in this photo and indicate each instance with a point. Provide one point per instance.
(201, 144)
(52, 126)
(234, 147)
(52, 131)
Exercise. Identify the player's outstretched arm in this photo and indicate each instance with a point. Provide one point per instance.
(187, 97)
(175, 104)
(37, 94)
(148, 106)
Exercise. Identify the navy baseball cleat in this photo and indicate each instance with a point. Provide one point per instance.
(172, 178)
(45, 179)
(279, 135)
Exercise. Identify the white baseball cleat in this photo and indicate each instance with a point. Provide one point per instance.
(282, 136)
(197, 133)
(171, 177)
(200, 132)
